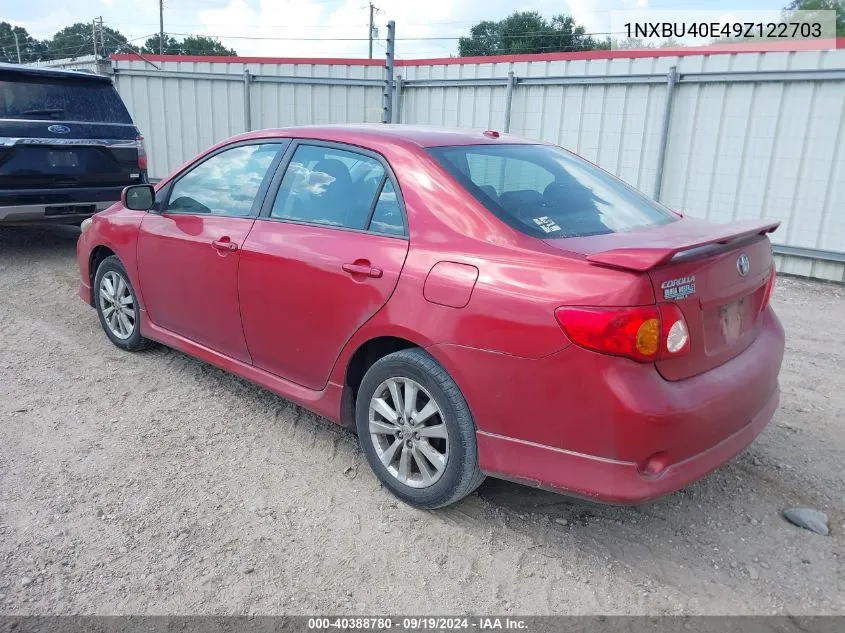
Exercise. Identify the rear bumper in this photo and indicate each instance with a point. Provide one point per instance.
(608, 428)
(608, 480)
(70, 212)
(22, 206)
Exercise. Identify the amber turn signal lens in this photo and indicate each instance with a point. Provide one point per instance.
(648, 337)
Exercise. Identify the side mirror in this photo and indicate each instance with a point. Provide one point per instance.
(138, 197)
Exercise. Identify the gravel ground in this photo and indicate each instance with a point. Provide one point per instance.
(153, 483)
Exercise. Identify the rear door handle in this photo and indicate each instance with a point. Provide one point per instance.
(363, 269)
(224, 245)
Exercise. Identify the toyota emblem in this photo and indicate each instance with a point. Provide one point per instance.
(743, 265)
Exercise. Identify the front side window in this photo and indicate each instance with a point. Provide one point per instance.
(330, 186)
(225, 184)
(548, 192)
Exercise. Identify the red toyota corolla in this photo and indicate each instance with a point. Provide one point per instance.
(474, 304)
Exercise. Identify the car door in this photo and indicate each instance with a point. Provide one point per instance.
(188, 253)
(322, 258)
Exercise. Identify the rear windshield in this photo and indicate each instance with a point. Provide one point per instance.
(548, 192)
(61, 100)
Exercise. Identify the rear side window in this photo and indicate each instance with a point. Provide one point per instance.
(548, 192)
(387, 214)
(61, 100)
(330, 186)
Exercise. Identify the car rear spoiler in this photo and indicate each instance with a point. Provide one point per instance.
(659, 251)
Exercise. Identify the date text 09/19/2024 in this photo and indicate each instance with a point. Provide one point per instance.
(424, 623)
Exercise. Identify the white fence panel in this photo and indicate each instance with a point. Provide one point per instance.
(181, 108)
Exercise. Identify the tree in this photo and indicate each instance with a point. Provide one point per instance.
(635, 43)
(191, 45)
(820, 5)
(78, 39)
(32, 50)
(153, 45)
(527, 32)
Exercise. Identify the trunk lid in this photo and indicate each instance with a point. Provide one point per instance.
(716, 274)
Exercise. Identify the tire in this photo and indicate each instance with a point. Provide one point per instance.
(418, 481)
(124, 332)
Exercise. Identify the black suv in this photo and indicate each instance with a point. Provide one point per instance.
(67, 145)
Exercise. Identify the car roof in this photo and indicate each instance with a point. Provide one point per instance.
(420, 135)
(52, 73)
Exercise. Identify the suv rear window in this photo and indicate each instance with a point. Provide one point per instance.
(65, 99)
(547, 192)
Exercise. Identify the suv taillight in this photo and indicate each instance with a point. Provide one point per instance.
(643, 333)
(142, 152)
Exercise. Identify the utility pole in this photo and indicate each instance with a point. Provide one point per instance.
(372, 13)
(102, 37)
(18, 46)
(161, 27)
(94, 36)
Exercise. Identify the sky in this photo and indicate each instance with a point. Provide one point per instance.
(328, 28)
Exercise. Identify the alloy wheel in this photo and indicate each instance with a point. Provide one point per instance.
(408, 432)
(117, 305)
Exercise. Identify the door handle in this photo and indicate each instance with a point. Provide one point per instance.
(224, 245)
(363, 269)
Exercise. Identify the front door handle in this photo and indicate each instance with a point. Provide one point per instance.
(363, 268)
(224, 245)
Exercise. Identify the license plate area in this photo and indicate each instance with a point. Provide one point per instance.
(62, 158)
(733, 320)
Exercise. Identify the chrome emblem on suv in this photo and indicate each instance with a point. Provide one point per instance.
(59, 129)
(743, 265)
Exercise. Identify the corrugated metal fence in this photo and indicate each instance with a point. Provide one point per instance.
(718, 136)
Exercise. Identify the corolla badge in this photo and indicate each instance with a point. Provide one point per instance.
(676, 289)
(743, 265)
(59, 129)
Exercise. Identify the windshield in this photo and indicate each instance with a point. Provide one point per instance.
(65, 99)
(548, 192)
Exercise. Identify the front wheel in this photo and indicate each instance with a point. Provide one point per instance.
(416, 430)
(117, 306)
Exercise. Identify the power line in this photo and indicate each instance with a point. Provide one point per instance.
(404, 39)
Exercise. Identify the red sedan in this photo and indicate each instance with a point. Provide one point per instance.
(473, 304)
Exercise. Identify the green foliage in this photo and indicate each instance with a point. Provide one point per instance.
(192, 45)
(635, 43)
(32, 50)
(78, 40)
(820, 5)
(528, 32)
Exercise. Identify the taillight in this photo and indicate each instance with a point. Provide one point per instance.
(142, 152)
(770, 286)
(675, 337)
(644, 333)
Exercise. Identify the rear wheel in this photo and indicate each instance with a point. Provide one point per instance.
(416, 430)
(117, 306)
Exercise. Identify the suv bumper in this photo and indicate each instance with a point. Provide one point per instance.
(28, 214)
(25, 206)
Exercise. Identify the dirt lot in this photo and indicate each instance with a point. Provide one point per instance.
(153, 483)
